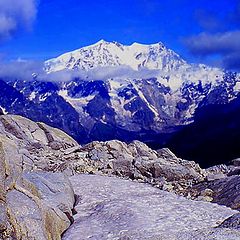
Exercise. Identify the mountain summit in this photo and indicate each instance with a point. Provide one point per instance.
(105, 54)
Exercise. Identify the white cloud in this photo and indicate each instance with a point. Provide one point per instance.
(20, 69)
(16, 15)
(99, 73)
(25, 70)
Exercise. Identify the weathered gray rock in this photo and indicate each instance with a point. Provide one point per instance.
(33, 204)
(39, 206)
(161, 169)
(232, 222)
(54, 189)
(226, 191)
(112, 208)
(34, 145)
(137, 161)
(217, 172)
(25, 216)
(166, 154)
(208, 234)
(40, 147)
(4, 226)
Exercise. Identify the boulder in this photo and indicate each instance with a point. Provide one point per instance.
(225, 191)
(40, 205)
(232, 222)
(33, 204)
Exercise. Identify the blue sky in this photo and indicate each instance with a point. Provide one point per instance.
(61, 25)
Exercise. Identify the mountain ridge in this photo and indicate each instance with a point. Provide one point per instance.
(136, 55)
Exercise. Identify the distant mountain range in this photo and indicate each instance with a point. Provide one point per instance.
(145, 92)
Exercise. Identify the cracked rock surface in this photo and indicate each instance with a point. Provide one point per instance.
(34, 204)
(111, 208)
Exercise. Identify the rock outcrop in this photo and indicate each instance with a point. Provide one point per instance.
(136, 161)
(232, 222)
(224, 191)
(33, 204)
(33, 144)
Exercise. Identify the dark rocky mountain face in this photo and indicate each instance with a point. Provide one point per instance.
(213, 138)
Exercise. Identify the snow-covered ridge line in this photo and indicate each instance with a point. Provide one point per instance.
(110, 60)
(102, 54)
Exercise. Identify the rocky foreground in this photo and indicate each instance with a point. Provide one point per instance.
(37, 200)
(111, 208)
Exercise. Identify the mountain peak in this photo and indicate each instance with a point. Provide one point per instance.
(104, 54)
(102, 41)
(147, 45)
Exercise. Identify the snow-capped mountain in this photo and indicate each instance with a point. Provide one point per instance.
(169, 97)
(153, 91)
(105, 54)
(146, 61)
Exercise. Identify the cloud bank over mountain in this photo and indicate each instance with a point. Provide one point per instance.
(33, 69)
